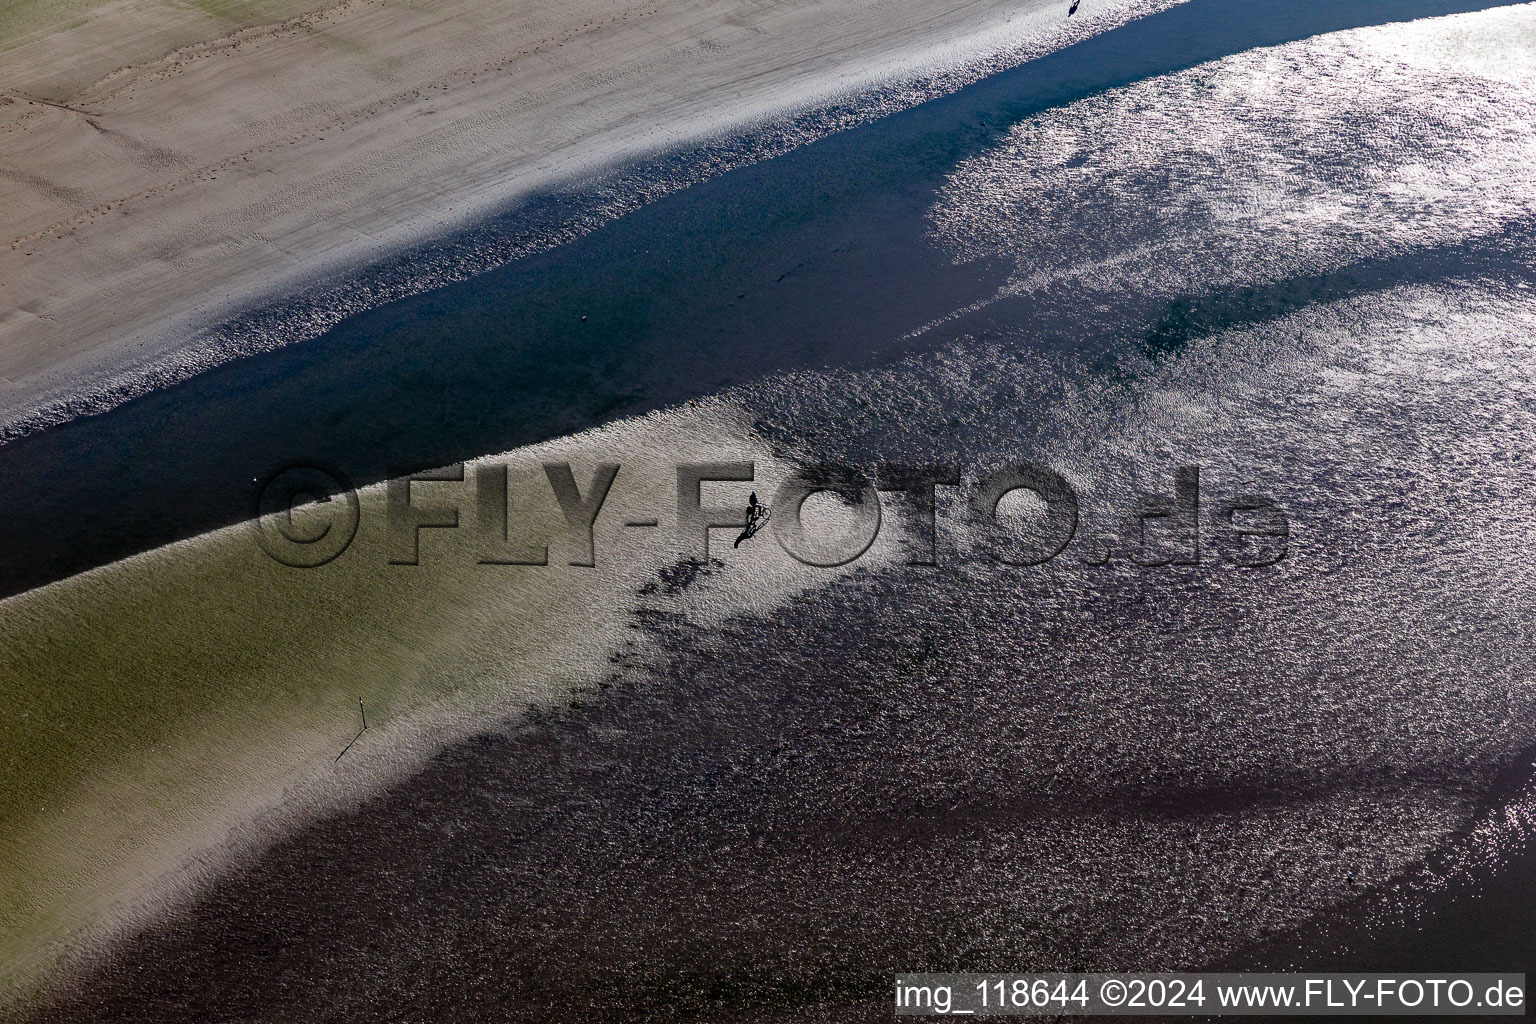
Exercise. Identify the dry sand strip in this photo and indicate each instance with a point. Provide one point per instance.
(142, 192)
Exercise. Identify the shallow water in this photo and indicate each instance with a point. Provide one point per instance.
(1319, 291)
(820, 256)
(969, 765)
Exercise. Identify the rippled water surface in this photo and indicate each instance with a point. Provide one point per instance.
(1304, 270)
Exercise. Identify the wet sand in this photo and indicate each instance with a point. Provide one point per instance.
(965, 767)
(970, 766)
(145, 201)
(177, 711)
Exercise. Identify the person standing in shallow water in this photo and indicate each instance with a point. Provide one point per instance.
(757, 515)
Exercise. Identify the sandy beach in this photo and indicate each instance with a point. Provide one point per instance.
(145, 192)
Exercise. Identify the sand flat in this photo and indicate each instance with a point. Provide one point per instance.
(191, 180)
(177, 711)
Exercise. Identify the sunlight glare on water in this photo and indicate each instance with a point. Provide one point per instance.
(1270, 164)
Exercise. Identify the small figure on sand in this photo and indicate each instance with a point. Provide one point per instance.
(1073, 9)
(757, 515)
